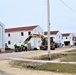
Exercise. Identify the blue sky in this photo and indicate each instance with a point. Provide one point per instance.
(17, 13)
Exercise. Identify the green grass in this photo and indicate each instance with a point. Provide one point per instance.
(64, 68)
(63, 57)
(53, 67)
(45, 57)
(69, 58)
(72, 50)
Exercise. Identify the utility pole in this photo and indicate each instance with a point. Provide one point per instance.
(48, 22)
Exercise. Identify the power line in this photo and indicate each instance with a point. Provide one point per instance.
(68, 6)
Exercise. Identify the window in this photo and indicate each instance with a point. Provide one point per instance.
(51, 38)
(9, 42)
(29, 33)
(59, 36)
(42, 32)
(8, 35)
(22, 34)
(66, 38)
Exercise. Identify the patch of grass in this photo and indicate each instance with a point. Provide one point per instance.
(69, 58)
(72, 50)
(45, 57)
(64, 68)
(60, 68)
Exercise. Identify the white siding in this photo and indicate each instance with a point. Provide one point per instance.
(59, 38)
(16, 38)
(68, 38)
(37, 41)
(2, 45)
(71, 39)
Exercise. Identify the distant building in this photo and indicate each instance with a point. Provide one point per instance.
(19, 34)
(57, 36)
(74, 40)
(2, 44)
(67, 39)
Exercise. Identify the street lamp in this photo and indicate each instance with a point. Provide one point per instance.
(48, 22)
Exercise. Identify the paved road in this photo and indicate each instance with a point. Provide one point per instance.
(31, 53)
(2, 73)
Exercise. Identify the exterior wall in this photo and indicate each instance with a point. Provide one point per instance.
(16, 38)
(2, 45)
(69, 38)
(58, 38)
(37, 41)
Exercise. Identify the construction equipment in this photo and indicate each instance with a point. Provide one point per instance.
(44, 44)
(6, 47)
(34, 36)
(19, 48)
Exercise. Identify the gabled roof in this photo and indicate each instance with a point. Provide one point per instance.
(51, 32)
(66, 34)
(20, 28)
(74, 38)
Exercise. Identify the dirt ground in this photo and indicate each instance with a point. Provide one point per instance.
(9, 70)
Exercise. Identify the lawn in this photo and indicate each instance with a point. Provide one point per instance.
(69, 58)
(62, 68)
(45, 57)
(53, 67)
(72, 50)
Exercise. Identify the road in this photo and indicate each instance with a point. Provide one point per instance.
(2, 73)
(32, 53)
(5, 67)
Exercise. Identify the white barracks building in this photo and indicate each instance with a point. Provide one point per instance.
(19, 34)
(2, 44)
(67, 39)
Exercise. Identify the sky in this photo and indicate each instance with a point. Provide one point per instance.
(20, 13)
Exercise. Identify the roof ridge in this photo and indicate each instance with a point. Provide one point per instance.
(51, 32)
(26, 28)
(21, 27)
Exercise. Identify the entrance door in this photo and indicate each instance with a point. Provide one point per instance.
(67, 43)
